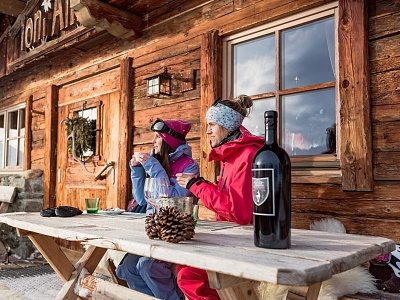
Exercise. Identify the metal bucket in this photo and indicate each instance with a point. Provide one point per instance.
(182, 204)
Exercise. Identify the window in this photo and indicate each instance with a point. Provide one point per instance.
(92, 110)
(289, 66)
(12, 138)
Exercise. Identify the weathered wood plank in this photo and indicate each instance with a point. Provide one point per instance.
(345, 208)
(53, 255)
(384, 54)
(386, 136)
(211, 89)
(94, 86)
(28, 133)
(383, 191)
(384, 26)
(382, 83)
(353, 224)
(7, 193)
(387, 165)
(50, 150)
(109, 290)
(119, 22)
(123, 184)
(355, 123)
(314, 256)
(89, 261)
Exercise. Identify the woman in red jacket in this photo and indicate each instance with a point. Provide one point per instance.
(231, 199)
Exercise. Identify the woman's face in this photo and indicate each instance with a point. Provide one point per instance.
(216, 132)
(157, 142)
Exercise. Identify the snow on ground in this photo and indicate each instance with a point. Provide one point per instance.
(25, 285)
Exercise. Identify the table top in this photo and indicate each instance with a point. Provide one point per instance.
(221, 247)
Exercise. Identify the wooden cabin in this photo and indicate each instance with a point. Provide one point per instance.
(330, 68)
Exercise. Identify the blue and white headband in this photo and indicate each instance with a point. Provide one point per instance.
(224, 116)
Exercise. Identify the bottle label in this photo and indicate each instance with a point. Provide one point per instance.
(263, 192)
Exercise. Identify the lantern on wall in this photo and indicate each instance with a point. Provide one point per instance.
(159, 84)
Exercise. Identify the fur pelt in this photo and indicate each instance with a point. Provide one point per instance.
(356, 280)
(114, 255)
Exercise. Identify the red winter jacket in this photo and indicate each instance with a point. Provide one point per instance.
(232, 198)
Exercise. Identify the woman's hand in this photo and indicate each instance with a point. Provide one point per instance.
(139, 158)
(184, 178)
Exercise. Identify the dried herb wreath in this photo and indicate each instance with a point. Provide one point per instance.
(81, 132)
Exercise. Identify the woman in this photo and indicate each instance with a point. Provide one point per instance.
(231, 199)
(171, 155)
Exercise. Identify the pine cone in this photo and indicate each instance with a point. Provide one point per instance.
(170, 225)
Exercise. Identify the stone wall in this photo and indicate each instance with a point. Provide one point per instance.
(29, 198)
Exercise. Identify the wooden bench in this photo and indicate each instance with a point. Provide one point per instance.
(7, 195)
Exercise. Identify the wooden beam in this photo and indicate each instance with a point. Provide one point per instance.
(211, 86)
(28, 133)
(89, 261)
(97, 286)
(50, 147)
(50, 46)
(125, 133)
(354, 90)
(12, 7)
(119, 23)
(53, 255)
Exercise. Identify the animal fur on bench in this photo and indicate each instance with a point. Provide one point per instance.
(356, 280)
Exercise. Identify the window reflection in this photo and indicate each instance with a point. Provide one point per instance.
(12, 124)
(308, 123)
(21, 122)
(255, 121)
(12, 131)
(21, 152)
(254, 66)
(12, 153)
(308, 54)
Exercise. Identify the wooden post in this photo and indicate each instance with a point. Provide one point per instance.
(354, 89)
(50, 147)
(211, 86)
(28, 133)
(125, 133)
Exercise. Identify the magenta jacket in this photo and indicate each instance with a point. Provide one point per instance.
(232, 198)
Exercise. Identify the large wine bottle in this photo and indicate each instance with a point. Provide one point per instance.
(271, 176)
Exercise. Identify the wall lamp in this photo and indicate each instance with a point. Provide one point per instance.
(159, 84)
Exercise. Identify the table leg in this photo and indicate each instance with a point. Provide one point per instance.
(53, 254)
(231, 287)
(304, 293)
(89, 260)
(313, 291)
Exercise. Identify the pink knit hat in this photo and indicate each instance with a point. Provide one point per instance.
(180, 126)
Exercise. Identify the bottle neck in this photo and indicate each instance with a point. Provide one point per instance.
(271, 136)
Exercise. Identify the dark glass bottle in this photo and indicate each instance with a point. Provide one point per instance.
(271, 174)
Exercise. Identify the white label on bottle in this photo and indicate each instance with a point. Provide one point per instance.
(263, 192)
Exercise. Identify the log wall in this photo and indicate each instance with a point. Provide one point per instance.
(176, 43)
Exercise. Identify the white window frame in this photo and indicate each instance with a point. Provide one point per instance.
(5, 139)
(327, 10)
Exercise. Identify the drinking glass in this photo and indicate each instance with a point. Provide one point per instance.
(154, 190)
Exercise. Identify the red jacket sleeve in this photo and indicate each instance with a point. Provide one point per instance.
(232, 199)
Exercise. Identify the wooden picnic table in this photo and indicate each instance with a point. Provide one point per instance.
(226, 250)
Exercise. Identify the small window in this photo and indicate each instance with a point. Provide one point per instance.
(91, 115)
(92, 110)
(289, 66)
(12, 138)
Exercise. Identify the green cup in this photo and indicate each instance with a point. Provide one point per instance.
(92, 205)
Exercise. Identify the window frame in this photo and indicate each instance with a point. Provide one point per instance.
(98, 156)
(18, 168)
(311, 162)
